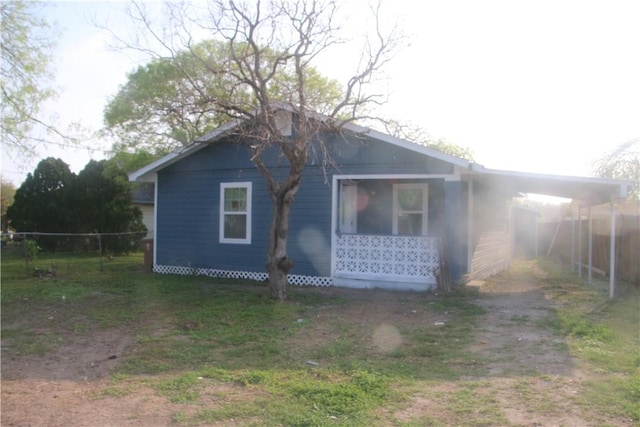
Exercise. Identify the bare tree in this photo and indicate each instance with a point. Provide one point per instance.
(272, 49)
(622, 162)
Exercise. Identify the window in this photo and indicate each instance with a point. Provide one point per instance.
(235, 212)
(410, 209)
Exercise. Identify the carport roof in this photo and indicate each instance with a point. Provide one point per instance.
(589, 191)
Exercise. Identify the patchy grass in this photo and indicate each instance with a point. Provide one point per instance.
(309, 361)
(477, 402)
(222, 353)
(604, 335)
(30, 342)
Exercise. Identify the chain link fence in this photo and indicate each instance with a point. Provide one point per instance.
(34, 245)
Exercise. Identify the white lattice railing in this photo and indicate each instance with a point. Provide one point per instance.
(387, 257)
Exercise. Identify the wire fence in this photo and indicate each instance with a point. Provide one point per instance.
(104, 245)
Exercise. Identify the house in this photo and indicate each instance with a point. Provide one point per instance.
(143, 196)
(385, 212)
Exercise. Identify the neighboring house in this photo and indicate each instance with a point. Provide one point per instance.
(143, 197)
(386, 212)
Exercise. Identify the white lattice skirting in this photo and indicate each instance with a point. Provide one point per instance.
(387, 257)
(294, 279)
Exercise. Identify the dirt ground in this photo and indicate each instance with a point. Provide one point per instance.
(66, 387)
(532, 378)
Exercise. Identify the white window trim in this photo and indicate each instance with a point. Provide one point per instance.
(223, 186)
(425, 204)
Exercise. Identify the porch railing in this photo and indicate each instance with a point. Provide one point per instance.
(404, 258)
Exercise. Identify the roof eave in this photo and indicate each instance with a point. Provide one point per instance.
(147, 173)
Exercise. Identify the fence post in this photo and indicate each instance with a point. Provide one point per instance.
(100, 249)
(26, 255)
(573, 240)
(612, 253)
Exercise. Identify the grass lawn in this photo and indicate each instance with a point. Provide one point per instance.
(604, 335)
(219, 352)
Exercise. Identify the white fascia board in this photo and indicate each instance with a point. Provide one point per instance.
(219, 131)
(144, 173)
(148, 173)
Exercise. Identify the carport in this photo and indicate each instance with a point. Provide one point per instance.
(586, 192)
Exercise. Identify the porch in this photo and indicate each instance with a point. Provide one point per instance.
(387, 231)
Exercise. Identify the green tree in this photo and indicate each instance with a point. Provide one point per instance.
(623, 162)
(42, 202)
(264, 61)
(157, 110)
(7, 194)
(420, 136)
(98, 200)
(102, 204)
(450, 148)
(26, 45)
(169, 102)
(130, 161)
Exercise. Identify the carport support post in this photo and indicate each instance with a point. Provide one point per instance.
(579, 240)
(535, 225)
(470, 226)
(573, 240)
(612, 253)
(590, 274)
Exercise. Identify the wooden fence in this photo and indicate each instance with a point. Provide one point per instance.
(627, 244)
(491, 255)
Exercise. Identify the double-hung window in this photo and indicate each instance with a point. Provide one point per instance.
(235, 212)
(410, 209)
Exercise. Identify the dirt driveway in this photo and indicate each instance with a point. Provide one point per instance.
(531, 380)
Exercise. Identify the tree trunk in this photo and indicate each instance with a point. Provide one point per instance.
(278, 262)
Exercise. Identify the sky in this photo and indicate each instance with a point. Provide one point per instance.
(544, 86)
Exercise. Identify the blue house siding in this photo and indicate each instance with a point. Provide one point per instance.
(189, 210)
(309, 242)
(188, 215)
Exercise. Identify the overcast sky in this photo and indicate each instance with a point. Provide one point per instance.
(536, 86)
